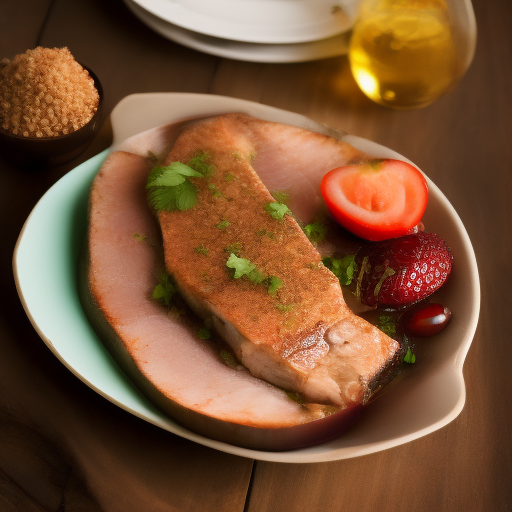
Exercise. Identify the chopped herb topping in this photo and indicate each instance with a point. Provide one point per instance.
(140, 238)
(409, 357)
(388, 272)
(365, 269)
(387, 325)
(229, 177)
(243, 267)
(203, 333)
(284, 308)
(234, 248)
(228, 359)
(165, 289)
(223, 224)
(280, 196)
(201, 162)
(256, 276)
(169, 188)
(344, 268)
(215, 192)
(264, 232)
(201, 249)
(315, 232)
(274, 283)
(277, 210)
(293, 395)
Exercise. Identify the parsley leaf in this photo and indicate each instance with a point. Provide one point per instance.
(409, 357)
(203, 333)
(277, 210)
(201, 162)
(201, 249)
(170, 189)
(223, 224)
(234, 248)
(274, 283)
(315, 232)
(165, 289)
(256, 277)
(387, 325)
(228, 359)
(280, 196)
(344, 268)
(241, 266)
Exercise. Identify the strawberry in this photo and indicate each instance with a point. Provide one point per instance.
(401, 271)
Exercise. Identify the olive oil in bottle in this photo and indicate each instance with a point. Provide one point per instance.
(402, 53)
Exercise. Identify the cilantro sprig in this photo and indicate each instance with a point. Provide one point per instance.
(277, 210)
(169, 187)
(315, 232)
(343, 268)
(409, 357)
(245, 268)
(201, 162)
(387, 325)
(165, 289)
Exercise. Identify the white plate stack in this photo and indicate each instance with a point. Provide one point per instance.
(253, 30)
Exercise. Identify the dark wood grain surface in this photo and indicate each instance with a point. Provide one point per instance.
(64, 448)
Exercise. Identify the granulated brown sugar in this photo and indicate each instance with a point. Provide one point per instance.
(45, 92)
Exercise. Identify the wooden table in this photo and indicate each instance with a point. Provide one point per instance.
(65, 448)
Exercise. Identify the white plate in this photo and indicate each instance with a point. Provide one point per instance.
(239, 50)
(258, 21)
(430, 395)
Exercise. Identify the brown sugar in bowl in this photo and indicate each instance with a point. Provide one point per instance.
(38, 153)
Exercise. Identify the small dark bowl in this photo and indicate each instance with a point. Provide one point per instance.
(39, 153)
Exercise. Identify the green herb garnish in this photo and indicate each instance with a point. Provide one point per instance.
(140, 238)
(277, 210)
(364, 269)
(165, 289)
(169, 188)
(234, 248)
(264, 232)
(243, 267)
(387, 325)
(343, 268)
(409, 357)
(315, 232)
(274, 283)
(201, 249)
(203, 333)
(228, 359)
(293, 395)
(284, 308)
(223, 224)
(280, 196)
(388, 272)
(229, 177)
(201, 162)
(215, 192)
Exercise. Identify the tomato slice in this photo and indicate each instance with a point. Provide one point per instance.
(378, 199)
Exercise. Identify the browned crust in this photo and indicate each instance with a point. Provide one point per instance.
(310, 297)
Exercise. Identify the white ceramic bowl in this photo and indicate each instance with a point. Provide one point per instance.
(430, 394)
